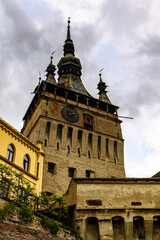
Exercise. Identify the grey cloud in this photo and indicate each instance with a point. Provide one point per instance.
(122, 17)
(150, 46)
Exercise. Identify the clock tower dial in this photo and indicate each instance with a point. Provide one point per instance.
(70, 114)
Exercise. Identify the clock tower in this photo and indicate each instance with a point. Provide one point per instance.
(81, 135)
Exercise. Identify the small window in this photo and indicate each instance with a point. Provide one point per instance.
(107, 149)
(99, 143)
(90, 139)
(37, 169)
(59, 131)
(80, 137)
(71, 172)
(89, 154)
(10, 153)
(115, 148)
(45, 142)
(79, 152)
(22, 194)
(26, 163)
(69, 133)
(48, 125)
(88, 174)
(4, 188)
(57, 146)
(88, 122)
(68, 149)
(51, 167)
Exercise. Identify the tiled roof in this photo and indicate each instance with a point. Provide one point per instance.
(157, 175)
(10, 231)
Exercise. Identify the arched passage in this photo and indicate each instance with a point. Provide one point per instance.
(92, 229)
(118, 228)
(138, 228)
(156, 228)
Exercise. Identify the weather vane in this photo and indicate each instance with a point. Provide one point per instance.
(52, 55)
(69, 20)
(39, 77)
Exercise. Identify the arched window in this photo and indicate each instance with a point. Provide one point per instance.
(10, 153)
(26, 163)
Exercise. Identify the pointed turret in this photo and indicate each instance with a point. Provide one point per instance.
(51, 71)
(69, 67)
(101, 86)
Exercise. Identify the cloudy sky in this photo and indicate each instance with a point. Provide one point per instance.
(123, 37)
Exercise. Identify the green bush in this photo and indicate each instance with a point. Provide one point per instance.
(52, 225)
(6, 210)
(26, 214)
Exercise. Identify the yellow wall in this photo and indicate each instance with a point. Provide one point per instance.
(22, 147)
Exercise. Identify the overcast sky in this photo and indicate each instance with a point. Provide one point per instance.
(121, 36)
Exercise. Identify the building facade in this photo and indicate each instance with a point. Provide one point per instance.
(19, 153)
(116, 209)
(81, 135)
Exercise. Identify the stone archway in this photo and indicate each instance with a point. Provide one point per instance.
(138, 228)
(118, 228)
(156, 228)
(92, 229)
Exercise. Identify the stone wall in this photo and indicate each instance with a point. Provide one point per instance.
(116, 208)
(94, 152)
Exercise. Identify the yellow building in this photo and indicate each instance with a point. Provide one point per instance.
(22, 155)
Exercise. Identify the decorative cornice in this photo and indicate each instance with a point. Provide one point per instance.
(17, 135)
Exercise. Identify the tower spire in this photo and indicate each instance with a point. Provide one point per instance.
(68, 29)
(68, 46)
(101, 86)
(69, 67)
(51, 71)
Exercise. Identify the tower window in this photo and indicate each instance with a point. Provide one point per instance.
(99, 143)
(59, 131)
(45, 142)
(88, 173)
(57, 146)
(107, 149)
(68, 149)
(99, 146)
(26, 163)
(48, 125)
(51, 167)
(69, 134)
(89, 154)
(10, 153)
(115, 148)
(90, 139)
(79, 152)
(88, 122)
(80, 137)
(71, 172)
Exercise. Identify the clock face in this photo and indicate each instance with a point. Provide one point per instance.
(70, 114)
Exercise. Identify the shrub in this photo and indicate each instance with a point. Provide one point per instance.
(26, 214)
(6, 210)
(53, 226)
